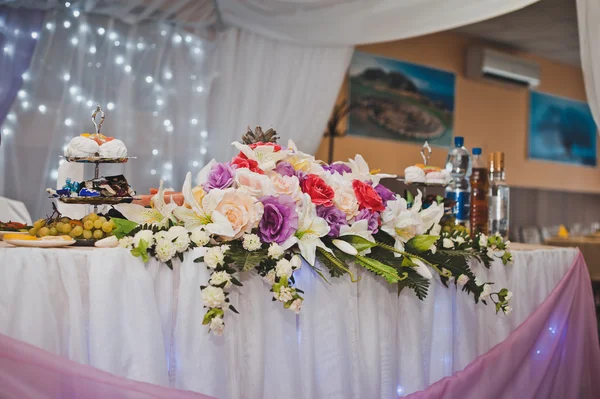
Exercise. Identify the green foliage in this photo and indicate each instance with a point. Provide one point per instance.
(387, 272)
(420, 244)
(416, 282)
(359, 243)
(336, 267)
(123, 227)
(141, 251)
(245, 260)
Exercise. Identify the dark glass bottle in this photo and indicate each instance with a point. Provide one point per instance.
(480, 187)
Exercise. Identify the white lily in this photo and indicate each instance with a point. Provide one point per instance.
(430, 217)
(359, 228)
(202, 176)
(399, 222)
(158, 214)
(360, 171)
(265, 155)
(310, 230)
(204, 214)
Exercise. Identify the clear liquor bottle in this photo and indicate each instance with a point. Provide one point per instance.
(499, 197)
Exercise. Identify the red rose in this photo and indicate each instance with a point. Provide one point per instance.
(276, 147)
(367, 197)
(320, 193)
(241, 161)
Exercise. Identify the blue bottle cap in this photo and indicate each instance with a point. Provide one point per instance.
(476, 151)
(459, 141)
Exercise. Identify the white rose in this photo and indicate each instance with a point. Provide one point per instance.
(251, 242)
(275, 251)
(219, 278)
(214, 257)
(145, 235)
(224, 248)
(200, 237)
(509, 295)
(165, 250)
(499, 253)
(508, 309)
(217, 325)
(213, 297)
(296, 305)
(270, 277)
(181, 236)
(485, 294)
(462, 280)
(162, 235)
(483, 240)
(345, 200)
(459, 240)
(447, 243)
(283, 268)
(286, 185)
(296, 262)
(126, 242)
(284, 295)
(257, 185)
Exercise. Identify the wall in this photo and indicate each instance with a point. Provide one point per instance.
(488, 115)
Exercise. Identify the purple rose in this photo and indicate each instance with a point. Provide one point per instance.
(334, 218)
(385, 193)
(338, 167)
(372, 217)
(220, 176)
(285, 169)
(279, 220)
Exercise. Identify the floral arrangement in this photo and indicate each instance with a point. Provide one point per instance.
(274, 208)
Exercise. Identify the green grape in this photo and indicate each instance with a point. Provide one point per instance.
(88, 225)
(65, 220)
(77, 231)
(59, 226)
(44, 231)
(72, 234)
(53, 231)
(103, 219)
(98, 224)
(87, 234)
(98, 234)
(66, 228)
(107, 227)
(39, 223)
(85, 219)
(33, 231)
(93, 217)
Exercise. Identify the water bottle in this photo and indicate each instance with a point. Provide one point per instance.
(459, 190)
(478, 215)
(499, 196)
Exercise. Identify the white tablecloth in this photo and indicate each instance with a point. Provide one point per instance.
(109, 310)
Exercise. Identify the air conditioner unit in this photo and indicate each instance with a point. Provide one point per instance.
(485, 63)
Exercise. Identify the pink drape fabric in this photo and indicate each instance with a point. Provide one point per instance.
(27, 372)
(553, 354)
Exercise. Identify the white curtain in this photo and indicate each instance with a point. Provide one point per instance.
(588, 18)
(152, 80)
(271, 83)
(352, 22)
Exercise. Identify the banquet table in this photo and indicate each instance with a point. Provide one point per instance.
(109, 310)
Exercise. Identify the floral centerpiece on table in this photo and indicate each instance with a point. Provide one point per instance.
(274, 209)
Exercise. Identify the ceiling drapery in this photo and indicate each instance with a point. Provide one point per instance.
(352, 22)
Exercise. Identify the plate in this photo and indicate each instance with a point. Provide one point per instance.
(98, 159)
(40, 243)
(96, 200)
(11, 232)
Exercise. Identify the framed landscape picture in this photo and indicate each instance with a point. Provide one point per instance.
(561, 130)
(396, 100)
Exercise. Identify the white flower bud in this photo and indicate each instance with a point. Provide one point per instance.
(345, 247)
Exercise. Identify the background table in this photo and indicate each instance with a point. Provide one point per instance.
(590, 248)
(104, 308)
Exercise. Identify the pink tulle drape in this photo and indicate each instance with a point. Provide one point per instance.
(27, 372)
(553, 354)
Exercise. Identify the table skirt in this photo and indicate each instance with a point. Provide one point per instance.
(107, 309)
